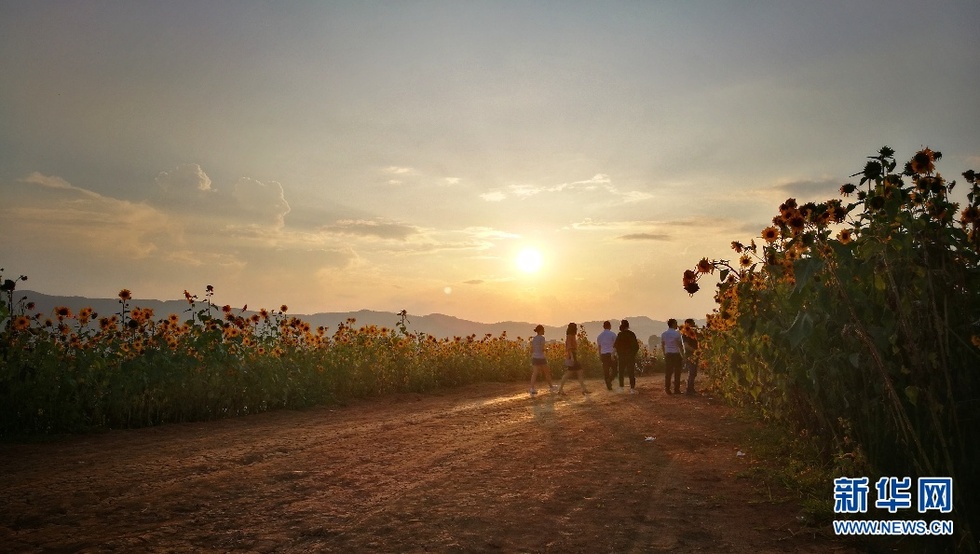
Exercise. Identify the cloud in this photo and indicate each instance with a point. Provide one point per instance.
(494, 196)
(259, 203)
(188, 191)
(395, 170)
(474, 282)
(56, 183)
(186, 178)
(819, 190)
(489, 233)
(76, 220)
(598, 183)
(645, 236)
(376, 229)
(452, 181)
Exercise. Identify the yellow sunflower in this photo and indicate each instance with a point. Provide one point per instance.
(770, 234)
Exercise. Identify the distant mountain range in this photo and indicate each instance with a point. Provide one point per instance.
(437, 325)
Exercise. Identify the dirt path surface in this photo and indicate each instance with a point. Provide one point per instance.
(478, 469)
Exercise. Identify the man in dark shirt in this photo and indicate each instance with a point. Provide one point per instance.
(626, 347)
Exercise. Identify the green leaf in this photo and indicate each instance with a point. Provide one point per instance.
(801, 328)
(805, 269)
(912, 393)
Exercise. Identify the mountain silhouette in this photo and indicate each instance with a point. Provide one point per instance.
(436, 325)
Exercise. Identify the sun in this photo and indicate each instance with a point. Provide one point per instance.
(529, 260)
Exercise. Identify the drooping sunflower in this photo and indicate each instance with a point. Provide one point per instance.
(705, 266)
(923, 161)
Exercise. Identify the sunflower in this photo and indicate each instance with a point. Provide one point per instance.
(705, 266)
(125, 295)
(923, 161)
(970, 215)
(770, 234)
(844, 236)
(788, 208)
(847, 189)
(21, 323)
(745, 260)
(85, 314)
(283, 308)
(797, 223)
(737, 246)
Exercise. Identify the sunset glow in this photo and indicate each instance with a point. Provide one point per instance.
(494, 162)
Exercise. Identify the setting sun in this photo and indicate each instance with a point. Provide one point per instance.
(529, 260)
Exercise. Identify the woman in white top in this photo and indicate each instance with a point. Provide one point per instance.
(538, 360)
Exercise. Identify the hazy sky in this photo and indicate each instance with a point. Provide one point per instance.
(334, 156)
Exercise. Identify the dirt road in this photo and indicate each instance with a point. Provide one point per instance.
(478, 469)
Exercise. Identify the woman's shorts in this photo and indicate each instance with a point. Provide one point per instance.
(539, 361)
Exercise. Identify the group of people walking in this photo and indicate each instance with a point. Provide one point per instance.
(617, 352)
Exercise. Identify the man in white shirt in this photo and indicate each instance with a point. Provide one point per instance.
(672, 344)
(605, 342)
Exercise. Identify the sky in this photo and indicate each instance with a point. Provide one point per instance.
(338, 156)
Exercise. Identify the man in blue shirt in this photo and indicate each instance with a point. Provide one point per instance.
(605, 342)
(673, 347)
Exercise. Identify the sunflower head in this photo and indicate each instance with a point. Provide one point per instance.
(770, 234)
(21, 323)
(923, 162)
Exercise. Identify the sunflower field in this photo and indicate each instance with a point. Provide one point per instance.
(76, 372)
(857, 322)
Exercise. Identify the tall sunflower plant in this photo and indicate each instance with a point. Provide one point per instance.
(857, 320)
